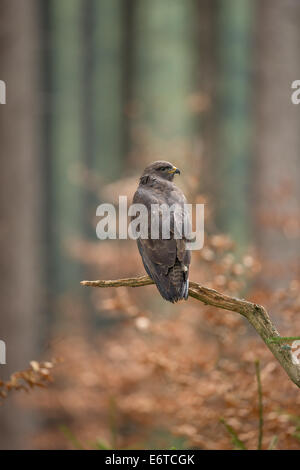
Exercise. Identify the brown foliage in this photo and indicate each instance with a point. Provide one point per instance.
(157, 375)
(37, 375)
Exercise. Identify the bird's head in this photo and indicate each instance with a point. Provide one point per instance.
(162, 169)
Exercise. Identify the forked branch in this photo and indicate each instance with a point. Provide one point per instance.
(254, 313)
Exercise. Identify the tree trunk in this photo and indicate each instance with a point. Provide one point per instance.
(66, 138)
(234, 26)
(164, 78)
(277, 163)
(20, 199)
(107, 92)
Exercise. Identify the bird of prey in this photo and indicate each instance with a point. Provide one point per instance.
(166, 261)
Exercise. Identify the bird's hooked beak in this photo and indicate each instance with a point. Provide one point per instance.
(174, 170)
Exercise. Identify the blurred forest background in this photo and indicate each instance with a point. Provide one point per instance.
(97, 89)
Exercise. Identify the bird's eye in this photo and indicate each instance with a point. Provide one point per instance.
(163, 168)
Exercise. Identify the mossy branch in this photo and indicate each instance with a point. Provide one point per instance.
(254, 313)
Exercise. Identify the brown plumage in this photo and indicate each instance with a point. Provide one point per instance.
(165, 260)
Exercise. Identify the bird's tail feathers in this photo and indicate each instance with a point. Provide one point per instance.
(175, 285)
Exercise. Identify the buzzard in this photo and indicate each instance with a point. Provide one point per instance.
(166, 261)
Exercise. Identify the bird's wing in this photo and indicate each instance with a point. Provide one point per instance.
(164, 259)
(158, 254)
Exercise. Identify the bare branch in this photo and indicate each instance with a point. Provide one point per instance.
(254, 313)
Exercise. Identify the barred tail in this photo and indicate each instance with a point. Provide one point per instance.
(175, 285)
